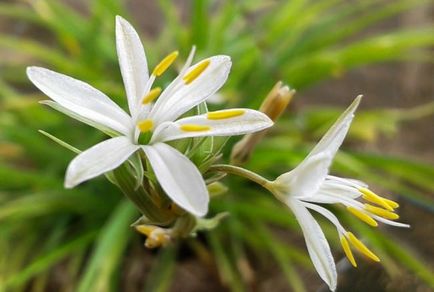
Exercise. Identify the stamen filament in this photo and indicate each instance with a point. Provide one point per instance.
(165, 63)
(347, 250)
(362, 216)
(381, 212)
(225, 114)
(361, 247)
(196, 71)
(152, 95)
(145, 125)
(194, 128)
(374, 198)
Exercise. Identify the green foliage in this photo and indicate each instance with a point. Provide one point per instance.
(43, 227)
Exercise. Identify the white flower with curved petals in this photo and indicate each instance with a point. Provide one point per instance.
(153, 116)
(310, 184)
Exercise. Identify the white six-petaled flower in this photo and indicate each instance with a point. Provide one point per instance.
(310, 184)
(155, 115)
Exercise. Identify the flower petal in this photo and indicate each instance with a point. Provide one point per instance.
(317, 245)
(327, 214)
(74, 115)
(183, 97)
(80, 98)
(179, 178)
(334, 137)
(306, 179)
(132, 62)
(221, 123)
(99, 159)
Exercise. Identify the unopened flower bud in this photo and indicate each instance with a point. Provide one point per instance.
(273, 106)
(156, 236)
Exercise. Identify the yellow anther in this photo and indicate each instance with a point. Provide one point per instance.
(196, 71)
(165, 63)
(347, 250)
(194, 128)
(145, 125)
(145, 229)
(391, 203)
(157, 238)
(374, 198)
(362, 216)
(361, 247)
(225, 114)
(381, 212)
(152, 95)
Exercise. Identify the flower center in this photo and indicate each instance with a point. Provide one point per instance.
(145, 128)
(145, 125)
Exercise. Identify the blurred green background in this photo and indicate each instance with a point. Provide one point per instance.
(53, 239)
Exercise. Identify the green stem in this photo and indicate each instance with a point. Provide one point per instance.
(140, 198)
(265, 183)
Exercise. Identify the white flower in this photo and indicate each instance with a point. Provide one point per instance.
(310, 183)
(158, 121)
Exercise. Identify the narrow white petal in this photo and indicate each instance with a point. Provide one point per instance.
(132, 62)
(80, 98)
(248, 121)
(334, 137)
(340, 190)
(184, 97)
(348, 181)
(327, 214)
(98, 159)
(102, 127)
(390, 222)
(306, 179)
(179, 178)
(317, 245)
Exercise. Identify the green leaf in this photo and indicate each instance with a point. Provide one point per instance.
(161, 275)
(49, 259)
(102, 271)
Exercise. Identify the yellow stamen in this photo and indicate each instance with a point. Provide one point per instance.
(362, 216)
(164, 64)
(391, 203)
(194, 128)
(374, 198)
(152, 95)
(145, 229)
(361, 247)
(158, 237)
(381, 212)
(225, 114)
(347, 250)
(196, 71)
(145, 125)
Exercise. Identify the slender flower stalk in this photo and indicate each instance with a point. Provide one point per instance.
(310, 184)
(239, 171)
(154, 117)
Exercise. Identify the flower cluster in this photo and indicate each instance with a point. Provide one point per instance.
(142, 139)
(309, 184)
(153, 113)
